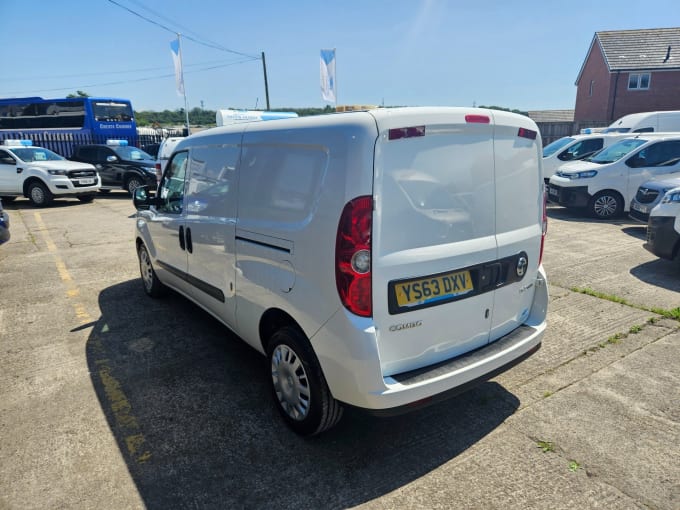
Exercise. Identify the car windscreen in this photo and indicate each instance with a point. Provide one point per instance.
(31, 154)
(133, 154)
(553, 147)
(617, 151)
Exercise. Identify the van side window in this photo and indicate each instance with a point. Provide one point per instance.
(660, 154)
(171, 189)
(582, 149)
(281, 182)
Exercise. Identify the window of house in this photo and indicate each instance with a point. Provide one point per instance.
(592, 85)
(638, 81)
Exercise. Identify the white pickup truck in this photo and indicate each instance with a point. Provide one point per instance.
(41, 175)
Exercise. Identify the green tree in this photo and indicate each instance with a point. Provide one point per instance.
(79, 93)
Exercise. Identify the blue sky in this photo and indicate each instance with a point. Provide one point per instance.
(515, 54)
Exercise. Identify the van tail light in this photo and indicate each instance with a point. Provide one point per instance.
(353, 256)
(544, 227)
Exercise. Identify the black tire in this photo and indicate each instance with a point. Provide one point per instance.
(605, 205)
(86, 199)
(132, 183)
(152, 285)
(39, 195)
(8, 199)
(298, 386)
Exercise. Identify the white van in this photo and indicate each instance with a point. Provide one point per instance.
(663, 228)
(574, 148)
(380, 259)
(606, 184)
(164, 152)
(646, 122)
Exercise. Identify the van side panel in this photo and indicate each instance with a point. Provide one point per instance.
(519, 210)
(434, 215)
(210, 197)
(294, 184)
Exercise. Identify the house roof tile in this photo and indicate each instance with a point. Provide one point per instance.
(655, 48)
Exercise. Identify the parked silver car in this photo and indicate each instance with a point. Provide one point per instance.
(648, 195)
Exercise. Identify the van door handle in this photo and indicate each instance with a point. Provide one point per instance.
(181, 238)
(190, 245)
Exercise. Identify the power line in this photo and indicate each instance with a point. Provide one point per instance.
(204, 42)
(124, 71)
(120, 82)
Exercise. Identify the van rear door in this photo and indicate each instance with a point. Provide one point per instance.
(457, 231)
(433, 235)
(519, 218)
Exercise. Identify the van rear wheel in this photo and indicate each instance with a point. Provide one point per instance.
(298, 386)
(605, 205)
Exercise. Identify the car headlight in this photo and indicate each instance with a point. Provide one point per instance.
(671, 197)
(577, 175)
(57, 172)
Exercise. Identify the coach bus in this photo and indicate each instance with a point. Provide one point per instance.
(60, 124)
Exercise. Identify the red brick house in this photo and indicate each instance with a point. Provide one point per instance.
(628, 71)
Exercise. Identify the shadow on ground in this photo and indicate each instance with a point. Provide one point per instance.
(191, 412)
(660, 272)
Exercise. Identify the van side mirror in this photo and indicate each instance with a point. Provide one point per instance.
(143, 198)
(7, 161)
(111, 159)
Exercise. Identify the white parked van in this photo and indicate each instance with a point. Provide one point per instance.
(606, 183)
(574, 148)
(381, 259)
(663, 228)
(646, 122)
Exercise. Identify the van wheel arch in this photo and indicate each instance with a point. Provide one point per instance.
(272, 321)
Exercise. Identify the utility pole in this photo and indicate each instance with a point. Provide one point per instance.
(266, 85)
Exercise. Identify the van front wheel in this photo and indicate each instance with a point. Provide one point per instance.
(298, 386)
(152, 285)
(605, 205)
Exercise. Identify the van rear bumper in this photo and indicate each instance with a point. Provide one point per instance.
(444, 380)
(459, 364)
(349, 358)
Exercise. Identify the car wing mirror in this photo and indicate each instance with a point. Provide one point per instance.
(144, 198)
(111, 159)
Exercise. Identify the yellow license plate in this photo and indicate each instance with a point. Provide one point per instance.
(433, 288)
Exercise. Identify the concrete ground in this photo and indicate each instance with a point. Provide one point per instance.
(111, 400)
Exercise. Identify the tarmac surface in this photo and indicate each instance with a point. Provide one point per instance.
(110, 400)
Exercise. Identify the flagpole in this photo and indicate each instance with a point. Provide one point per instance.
(184, 89)
(335, 78)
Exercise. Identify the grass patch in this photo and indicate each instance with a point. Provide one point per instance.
(673, 313)
(574, 466)
(634, 330)
(546, 446)
(615, 339)
(547, 394)
(669, 314)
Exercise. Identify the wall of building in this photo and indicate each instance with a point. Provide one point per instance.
(663, 94)
(593, 107)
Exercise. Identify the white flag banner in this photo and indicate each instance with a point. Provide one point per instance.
(328, 85)
(177, 59)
